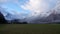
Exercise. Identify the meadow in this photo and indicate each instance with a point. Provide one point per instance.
(29, 28)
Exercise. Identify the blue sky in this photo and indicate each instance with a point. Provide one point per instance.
(12, 6)
(27, 8)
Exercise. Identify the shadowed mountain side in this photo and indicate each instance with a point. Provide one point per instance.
(53, 18)
(2, 19)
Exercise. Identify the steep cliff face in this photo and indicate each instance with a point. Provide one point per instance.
(2, 19)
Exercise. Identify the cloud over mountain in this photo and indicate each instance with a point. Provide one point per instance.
(30, 9)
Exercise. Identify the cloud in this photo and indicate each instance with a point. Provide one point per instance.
(2, 10)
(57, 8)
(38, 7)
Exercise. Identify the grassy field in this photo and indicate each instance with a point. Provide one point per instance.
(30, 29)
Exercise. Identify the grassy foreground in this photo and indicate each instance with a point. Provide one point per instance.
(30, 29)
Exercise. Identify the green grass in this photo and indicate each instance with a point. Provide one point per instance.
(30, 29)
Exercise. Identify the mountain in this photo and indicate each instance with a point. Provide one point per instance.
(2, 19)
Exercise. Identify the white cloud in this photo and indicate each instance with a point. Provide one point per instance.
(37, 6)
(57, 8)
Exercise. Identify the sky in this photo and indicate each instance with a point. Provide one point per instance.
(29, 9)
